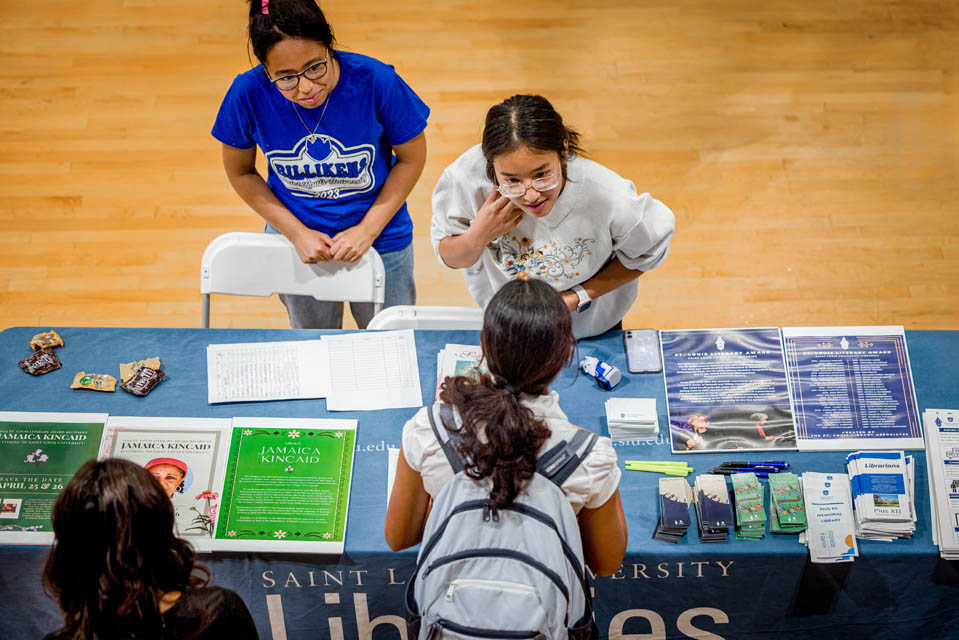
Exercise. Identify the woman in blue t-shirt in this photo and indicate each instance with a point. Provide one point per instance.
(344, 142)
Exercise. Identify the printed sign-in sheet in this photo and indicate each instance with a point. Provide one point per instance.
(852, 388)
(259, 371)
(372, 370)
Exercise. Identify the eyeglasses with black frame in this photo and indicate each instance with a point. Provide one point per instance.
(312, 72)
(517, 189)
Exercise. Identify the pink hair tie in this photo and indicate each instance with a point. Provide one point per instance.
(265, 7)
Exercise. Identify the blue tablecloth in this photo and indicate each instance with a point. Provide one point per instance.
(735, 589)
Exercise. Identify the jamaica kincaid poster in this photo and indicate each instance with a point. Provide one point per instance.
(727, 389)
(287, 485)
(184, 455)
(39, 453)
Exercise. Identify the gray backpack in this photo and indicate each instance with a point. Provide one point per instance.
(515, 572)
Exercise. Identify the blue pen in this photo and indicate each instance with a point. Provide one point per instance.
(758, 474)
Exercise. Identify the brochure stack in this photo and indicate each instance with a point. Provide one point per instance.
(674, 499)
(750, 506)
(712, 507)
(882, 491)
(831, 536)
(942, 466)
(632, 418)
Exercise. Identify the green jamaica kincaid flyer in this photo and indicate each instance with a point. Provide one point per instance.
(39, 453)
(287, 485)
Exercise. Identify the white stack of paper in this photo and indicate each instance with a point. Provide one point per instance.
(882, 491)
(942, 466)
(632, 418)
(457, 360)
(831, 536)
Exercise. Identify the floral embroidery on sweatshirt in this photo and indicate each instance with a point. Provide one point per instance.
(517, 258)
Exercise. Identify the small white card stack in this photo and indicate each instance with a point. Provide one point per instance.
(632, 418)
(942, 465)
(831, 536)
(882, 491)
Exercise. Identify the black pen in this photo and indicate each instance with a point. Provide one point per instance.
(781, 464)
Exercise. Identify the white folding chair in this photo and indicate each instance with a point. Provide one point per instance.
(408, 317)
(261, 264)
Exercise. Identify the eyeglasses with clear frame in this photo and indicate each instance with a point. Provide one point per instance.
(312, 72)
(517, 189)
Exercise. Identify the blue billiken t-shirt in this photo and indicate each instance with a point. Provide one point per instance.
(329, 184)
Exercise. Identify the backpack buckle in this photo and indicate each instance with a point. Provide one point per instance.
(490, 512)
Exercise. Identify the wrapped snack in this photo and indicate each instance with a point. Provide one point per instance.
(143, 381)
(128, 369)
(46, 340)
(42, 361)
(94, 382)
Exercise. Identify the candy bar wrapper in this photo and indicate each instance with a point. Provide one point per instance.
(143, 381)
(128, 369)
(94, 382)
(42, 361)
(46, 340)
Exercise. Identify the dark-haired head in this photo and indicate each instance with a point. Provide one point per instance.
(527, 340)
(282, 19)
(527, 121)
(115, 552)
(527, 335)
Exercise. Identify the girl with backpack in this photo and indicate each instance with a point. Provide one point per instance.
(343, 137)
(526, 203)
(502, 426)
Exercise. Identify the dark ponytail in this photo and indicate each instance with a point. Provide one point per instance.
(527, 121)
(526, 340)
(286, 19)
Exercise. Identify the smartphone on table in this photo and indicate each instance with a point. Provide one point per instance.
(642, 351)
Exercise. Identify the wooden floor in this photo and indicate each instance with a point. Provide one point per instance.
(810, 150)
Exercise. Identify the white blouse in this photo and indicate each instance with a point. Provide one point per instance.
(597, 216)
(592, 483)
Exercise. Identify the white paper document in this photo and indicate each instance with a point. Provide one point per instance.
(942, 465)
(372, 370)
(392, 461)
(258, 371)
(831, 536)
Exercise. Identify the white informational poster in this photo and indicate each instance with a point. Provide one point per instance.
(852, 388)
(184, 455)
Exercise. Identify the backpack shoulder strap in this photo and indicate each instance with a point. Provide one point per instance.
(449, 440)
(561, 460)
